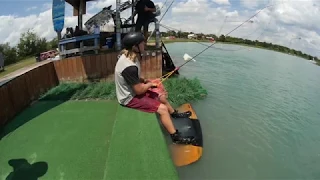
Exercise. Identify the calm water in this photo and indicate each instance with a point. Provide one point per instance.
(261, 119)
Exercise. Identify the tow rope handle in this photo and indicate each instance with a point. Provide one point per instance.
(166, 76)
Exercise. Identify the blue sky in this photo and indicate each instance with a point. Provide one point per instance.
(280, 24)
(22, 7)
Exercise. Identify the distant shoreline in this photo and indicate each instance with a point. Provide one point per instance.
(168, 41)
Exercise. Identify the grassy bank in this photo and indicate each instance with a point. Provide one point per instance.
(180, 91)
(21, 64)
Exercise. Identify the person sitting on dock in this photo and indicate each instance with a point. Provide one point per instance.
(145, 9)
(133, 91)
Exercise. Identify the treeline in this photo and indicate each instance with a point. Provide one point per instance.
(235, 40)
(30, 44)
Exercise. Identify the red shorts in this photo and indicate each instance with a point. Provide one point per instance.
(148, 102)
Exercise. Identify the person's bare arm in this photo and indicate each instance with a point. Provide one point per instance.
(130, 74)
(141, 88)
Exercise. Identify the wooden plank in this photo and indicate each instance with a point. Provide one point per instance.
(75, 74)
(159, 64)
(87, 66)
(43, 79)
(154, 64)
(104, 65)
(115, 60)
(63, 67)
(32, 89)
(54, 77)
(84, 70)
(6, 107)
(93, 61)
(80, 69)
(53, 81)
(98, 72)
(18, 95)
(149, 66)
(57, 68)
(109, 58)
(143, 67)
(70, 68)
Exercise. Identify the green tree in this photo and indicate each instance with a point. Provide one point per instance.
(222, 38)
(30, 44)
(9, 53)
(53, 44)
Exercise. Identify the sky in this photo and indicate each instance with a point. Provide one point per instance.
(291, 23)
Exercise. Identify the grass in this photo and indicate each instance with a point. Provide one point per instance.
(16, 66)
(180, 91)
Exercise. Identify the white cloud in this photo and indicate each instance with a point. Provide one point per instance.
(289, 23)
(101, 4)
(222, 2)
(191, 7)
(251, 4)
(280, 23)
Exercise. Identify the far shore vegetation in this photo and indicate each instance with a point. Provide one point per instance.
(31, 44)
(181, 36)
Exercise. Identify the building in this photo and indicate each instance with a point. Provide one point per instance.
(192, 36)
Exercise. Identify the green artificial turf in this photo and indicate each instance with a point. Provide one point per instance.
(84, 140)
(71, 138)
(138, 149)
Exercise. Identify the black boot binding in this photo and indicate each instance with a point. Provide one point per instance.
(178, 139)
(176, 114)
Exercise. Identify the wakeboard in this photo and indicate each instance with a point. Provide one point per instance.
(183, 155)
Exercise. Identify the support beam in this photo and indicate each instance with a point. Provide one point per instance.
(132, 12)
(81, 4)
(118, 28)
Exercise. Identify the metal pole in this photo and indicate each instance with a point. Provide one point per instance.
(118, 28)
(157, 29)
(80, 12)
(132, 12)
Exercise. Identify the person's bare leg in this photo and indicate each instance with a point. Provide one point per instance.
(168, 124)
(165, 118)
(164, 100)
(173, 112)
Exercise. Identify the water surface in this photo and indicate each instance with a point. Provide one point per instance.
(261, 119)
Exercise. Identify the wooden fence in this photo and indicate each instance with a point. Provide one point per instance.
(100, 67)
(20, 91)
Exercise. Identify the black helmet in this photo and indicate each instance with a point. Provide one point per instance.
(131, 39)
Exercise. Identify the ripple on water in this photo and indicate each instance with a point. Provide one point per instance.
(261, 119)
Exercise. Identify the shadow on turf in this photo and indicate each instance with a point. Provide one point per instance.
(23, 170)
(52, 98)
(27, 115)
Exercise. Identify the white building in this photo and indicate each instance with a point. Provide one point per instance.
(192, 36)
